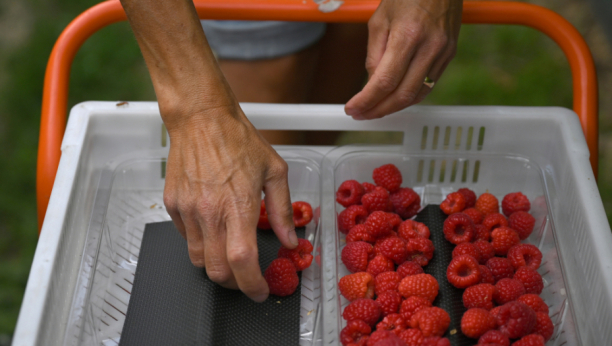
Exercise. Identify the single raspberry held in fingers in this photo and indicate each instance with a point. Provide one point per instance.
(525, 255)
(263, 222)
(354, 332)
(507, 290)
(522, 222)
(392, 322)
(466, 249)
(479, 296)
(531, 280)
(494, 337)
(281, 277)
(502, 239)
(454, 203)
(514, 202)
(463, 271)
(413, 229)
(469, 195)
(411, 305)
(388, 176)
(406, 203)
(387, 281)
(420, 250)
(431, 321)
(378, 224)
(380, 264)
(494, 220)
(475, 215)
(412, 337)
(302, 213)
(544, 326)
(530, 340)
(360, 233)
(486, 277)
(351, 216)
(422, 285)
(475, 322)
(500, 268)
(393, 248)
(409, 268)
(301, 256)
(389, 302)
(516, 319)
(377, 200)
(485, 249)
(487, 204)
(458, 228)
(355, 286)
(535, 302)
(355, 256)
(349, 193)
(368, 187)
(482, 233)
(363, 309)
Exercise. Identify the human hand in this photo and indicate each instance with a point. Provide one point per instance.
(408, 41)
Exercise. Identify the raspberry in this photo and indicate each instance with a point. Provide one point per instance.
(355, 256)
(522, 222)
(354, 332)
(486, 277)
(544, 326)
(507, 290)
(409, 268)
(463, 271)
(458, 228)
(466, 249)
(487, 204)
(360, 233)
(431, 321)
(514, 202)
(363, 309)
(412, 229)
(355, 286)
(351, 216)
(368, 187)
(380, 264)
(378, 224)
(475, 215)
(494, 337)
(388, 176)
(389, 302)
(406, 203)
(454, 203)
(392, 322)
(475, 322)
(420, 250)
(525, 255)
(530, 340)
(349, 193)
(395, 220)
(413, 304)
(516, 319)
(495, 313)
(482, 233)
(479, 296)
(382, 337)
(387, 281)
(422, 285)
(502, 239)
(302, 213)
(301, 256)
(412, 337)
(393, 248)
(531, 280)
(263, 222)
(500, 268)
(535, 302)
(377, 200)
(435, 341)
(281, 277)
(485, 249)
(494, 220)
(469, 196)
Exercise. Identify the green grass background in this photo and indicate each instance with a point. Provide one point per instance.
(495, 65)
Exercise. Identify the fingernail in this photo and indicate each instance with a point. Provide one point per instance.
(293, 237)
(260, 298)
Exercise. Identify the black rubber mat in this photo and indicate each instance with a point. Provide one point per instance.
(449, 297)
(174, 303)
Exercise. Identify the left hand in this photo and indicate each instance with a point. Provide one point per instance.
(408, 41)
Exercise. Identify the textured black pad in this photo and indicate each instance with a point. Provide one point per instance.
(449, 297)
(175, 303)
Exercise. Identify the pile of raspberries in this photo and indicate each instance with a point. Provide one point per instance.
(390, 295)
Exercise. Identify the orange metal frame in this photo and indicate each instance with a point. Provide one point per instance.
(55, 93)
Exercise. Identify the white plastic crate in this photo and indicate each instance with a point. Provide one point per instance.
(60, 301)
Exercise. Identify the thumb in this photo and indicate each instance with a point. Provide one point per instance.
(278, 207)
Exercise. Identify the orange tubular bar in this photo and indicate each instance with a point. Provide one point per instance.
(55, 93)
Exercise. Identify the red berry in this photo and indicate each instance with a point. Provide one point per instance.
(263, 222)
(500, 268)
(507, 290)
(516, 319)
(435, 341)
(531, 280)
(381, 337)
(412, 337)
(395, 220)
(420, 250)
(522, 222)
(406, 203)
(360, 233)
(354, 332)
(377, 200)
(422, 285)
(301, 256)
(485, 249)
(355, 256)
(412, 229)
(544, 326)
(469, 195)
(413, 304)
(363, 309)
(389, 302)
(454, 203)
(458, 228)
(393, 248)
(479, 296)
(378, 224)
(463, 271)
(387, 281)
(475, 215)
(487, 204)
(466, 249)
(368, 187)
(535, 302)
(525, 255)
(475, 322)
(281, 277)
(514, 202)
(302, 213)
(530, 340)
(392, 322)
(388, 176)
(494, 220)
(486, 275)
(349, 193)
(351, 216)
(380, 264)
(494, 337)
(355, 286)
(482, 233)
(431, 321)
(409, 268)
(502, 239)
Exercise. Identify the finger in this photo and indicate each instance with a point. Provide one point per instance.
(172, 209)
(435, 73)
(193, 234)
(217, 265)
(378, 34)
(278, 204)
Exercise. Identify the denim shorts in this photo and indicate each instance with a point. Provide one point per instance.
(254, 40)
